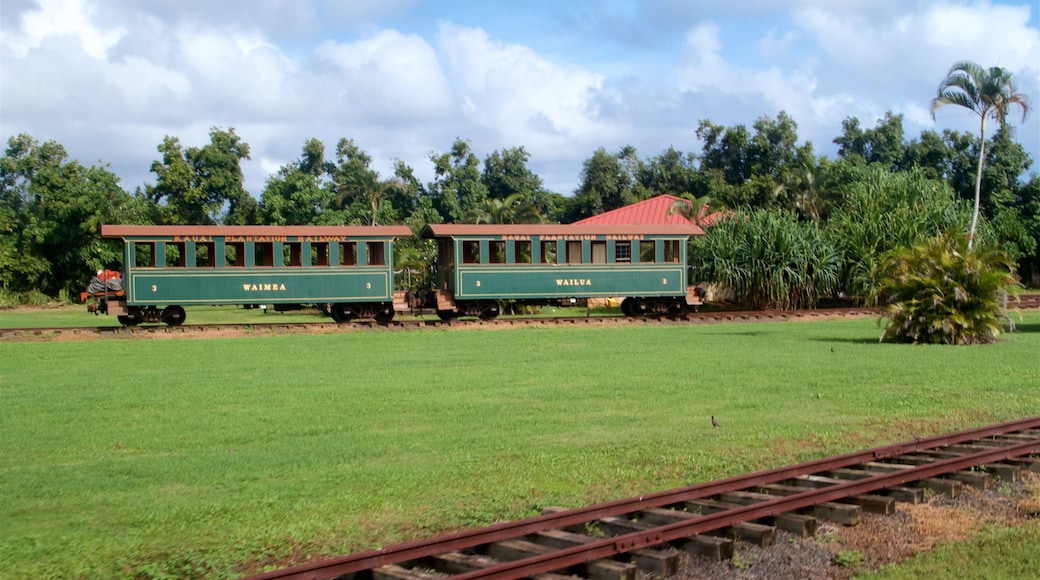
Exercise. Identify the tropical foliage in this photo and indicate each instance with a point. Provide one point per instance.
(988, 93)
(944, 292)
(768, 258)
(881, 211)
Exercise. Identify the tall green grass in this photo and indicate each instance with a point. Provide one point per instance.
(208, 457)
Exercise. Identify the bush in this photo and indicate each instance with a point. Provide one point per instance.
(940, 292)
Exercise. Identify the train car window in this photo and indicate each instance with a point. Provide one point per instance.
(204, 255)
(376, 253)
(574, 252)
(264, 254)
(599, 252)
(522, 252)
(292, 254)
(471, 252)
(348, 253)
(235, 254)
(623, 252)
(497, 252)
(671, 250)
(144, 254)
(549, 253)
(647, 251)
(319, 254)
(175, 254)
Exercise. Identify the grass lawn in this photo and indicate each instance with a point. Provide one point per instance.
(210, 457)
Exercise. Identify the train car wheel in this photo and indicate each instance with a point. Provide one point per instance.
(639, 307)
(173, 315)
(129, 320)
(342, 313)
(626, 307)
(385, 316)
(490, 312)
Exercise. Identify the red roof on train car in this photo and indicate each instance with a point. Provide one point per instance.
(451, 230)
(118, 231)
(650, 211)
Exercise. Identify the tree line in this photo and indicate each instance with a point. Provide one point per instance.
(803, 210)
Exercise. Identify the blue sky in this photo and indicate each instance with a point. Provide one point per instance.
(109, 79)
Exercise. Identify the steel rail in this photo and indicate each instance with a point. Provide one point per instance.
(474, 537)
(606, 548)
(1025, 302)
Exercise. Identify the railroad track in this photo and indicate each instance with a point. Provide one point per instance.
(1026, 302)
(326, 325)
(619, 539)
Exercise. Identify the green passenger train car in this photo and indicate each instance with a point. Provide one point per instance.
(346, 269)
(644, 267)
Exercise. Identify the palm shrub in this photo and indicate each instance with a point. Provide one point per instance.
(942, 292)
(769, 258)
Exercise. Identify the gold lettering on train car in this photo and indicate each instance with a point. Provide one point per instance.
(276, 287)
(193, 238)
(256, 238)
(573, 282)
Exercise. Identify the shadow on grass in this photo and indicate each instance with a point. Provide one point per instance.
(1027, 327)
(846, 340)
(740, 333)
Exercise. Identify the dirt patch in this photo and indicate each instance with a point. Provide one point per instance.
(837, 552)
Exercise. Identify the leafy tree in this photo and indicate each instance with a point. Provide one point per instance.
(606, 184)
(301, 192)
(507, 177)
(931, 153)
(457, 187)
(195, 185)
(409, 202)
(988, 93)
(671, 172)
(726, 151)
(943, 292)
(883, 144)
(759, 170)
(353, 181)
(51, 211)
(769, 258)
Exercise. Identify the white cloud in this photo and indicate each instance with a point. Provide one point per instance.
(109, 79)
(394, 76)
(513, 92)
(57, 18)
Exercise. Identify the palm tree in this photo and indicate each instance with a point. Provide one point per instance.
(695, 210)
(987, 93)
(514, 209)
(377, 192)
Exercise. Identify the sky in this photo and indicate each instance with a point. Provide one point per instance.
(109, 79)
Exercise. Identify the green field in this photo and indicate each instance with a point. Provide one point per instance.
(211, 457)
